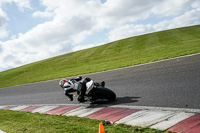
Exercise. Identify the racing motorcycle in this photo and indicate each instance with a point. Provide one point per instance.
(95, 91)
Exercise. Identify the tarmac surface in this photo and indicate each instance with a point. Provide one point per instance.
(168, 83)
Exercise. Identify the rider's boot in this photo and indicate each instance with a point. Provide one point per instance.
(100, 84)
(81, 98)
(70, 97)
(103, 84)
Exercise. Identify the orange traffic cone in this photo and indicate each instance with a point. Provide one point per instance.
(101, 129)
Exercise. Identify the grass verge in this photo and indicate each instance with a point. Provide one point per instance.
(25, 122)
(122, 53)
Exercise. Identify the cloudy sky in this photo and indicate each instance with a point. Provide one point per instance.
(32, 30)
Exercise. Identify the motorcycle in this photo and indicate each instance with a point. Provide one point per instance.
(95, 91)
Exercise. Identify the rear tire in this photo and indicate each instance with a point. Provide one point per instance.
(105, 93)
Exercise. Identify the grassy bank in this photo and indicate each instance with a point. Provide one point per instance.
(23, 122)
(122, 53)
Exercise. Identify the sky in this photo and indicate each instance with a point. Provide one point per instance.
(33, 30)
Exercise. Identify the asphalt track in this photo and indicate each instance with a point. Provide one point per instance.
(170, 83)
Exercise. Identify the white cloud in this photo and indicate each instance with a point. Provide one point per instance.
(117, 12)
(3, 23)
(3, 17)
(171, 7)
(43, 14)
(187, 19)
(196, 4)
(3, 31)
(22, 4)
(1, 49)
(70, 22)
(129, 30)
(191, 17)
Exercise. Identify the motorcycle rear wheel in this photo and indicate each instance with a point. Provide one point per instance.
(105, 93)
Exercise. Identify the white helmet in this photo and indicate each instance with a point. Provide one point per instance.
(62, 82)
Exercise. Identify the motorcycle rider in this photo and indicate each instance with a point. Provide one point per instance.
(76, 85)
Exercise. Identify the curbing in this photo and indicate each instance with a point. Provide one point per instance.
(170, 119)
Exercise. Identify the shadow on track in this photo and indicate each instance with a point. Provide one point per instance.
(119, 100)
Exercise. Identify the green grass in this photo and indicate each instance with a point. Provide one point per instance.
(122, 53)
(24, 122)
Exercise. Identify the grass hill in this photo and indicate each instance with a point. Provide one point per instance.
(122, 53)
